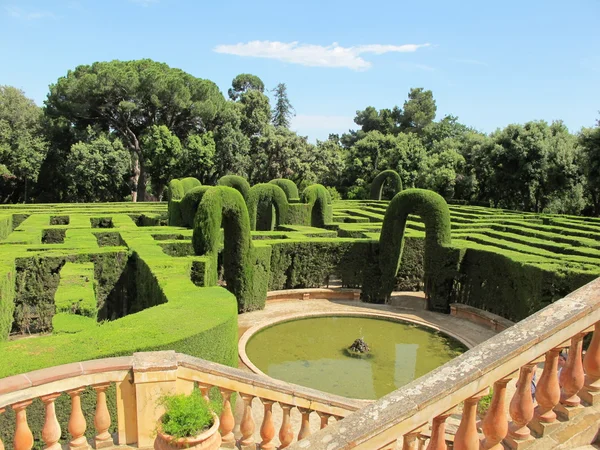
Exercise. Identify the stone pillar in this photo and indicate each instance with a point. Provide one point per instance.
(305, 427)
(77, 425)
(286, 434)
(51, 431)
(466, 437)
(495, 424)
(591, 366)
(247, 425)
(267, 429)
(23, 439)
(438, 431)
(547, 394)
(521, 409)
(154, 375)
(227, 420)
(324, 419)
(102, 418)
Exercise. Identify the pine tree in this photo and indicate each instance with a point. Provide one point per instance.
(283, 111)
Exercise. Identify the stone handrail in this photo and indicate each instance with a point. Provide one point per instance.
(405, 414)
(140, 381)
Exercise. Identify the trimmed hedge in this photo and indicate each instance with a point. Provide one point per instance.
(7, 298)
(318, 199)
(176, 190)
(288, 186)
(439, 258)
(76, 291)
(224, 207)
(261, 200)
(6, 225)
(238, 183)
(379, 181)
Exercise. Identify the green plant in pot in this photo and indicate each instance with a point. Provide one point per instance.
(189, 421)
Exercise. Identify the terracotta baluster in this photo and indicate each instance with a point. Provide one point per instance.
(305, 427)
(547, 391)
(23, 439)
(591, 362)
(205, 389)
(466, 437)
(227, 421)
(286, 435)
(247, 426)
(572, 377)
(1, 443)
(102, 418)
(51, 431)
(495, 424)
(410, 440)
(521, 405)
(77, 423)
(324, 419)
(267, 429)
(438, 432)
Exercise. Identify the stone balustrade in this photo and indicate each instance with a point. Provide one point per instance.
(140, 381)
(414, 416)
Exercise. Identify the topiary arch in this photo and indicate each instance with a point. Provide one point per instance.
(236, 182)
(222, 206)
(440, 259)
(261, 200)
(318, 198)
(379, 181)
(288, 186)
(189, 205)
(189, 183)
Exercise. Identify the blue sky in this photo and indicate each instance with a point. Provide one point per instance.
(489, 63)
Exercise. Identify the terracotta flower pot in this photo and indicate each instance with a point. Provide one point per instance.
(207, 440)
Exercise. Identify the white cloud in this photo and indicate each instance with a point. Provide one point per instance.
(333, 55)
(20, 13)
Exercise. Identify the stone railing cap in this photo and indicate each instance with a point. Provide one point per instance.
(154, 361)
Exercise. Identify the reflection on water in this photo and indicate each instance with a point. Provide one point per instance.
(310, 352)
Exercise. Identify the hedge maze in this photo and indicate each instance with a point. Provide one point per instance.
(99, 280)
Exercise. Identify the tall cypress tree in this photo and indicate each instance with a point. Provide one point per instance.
(283, 111)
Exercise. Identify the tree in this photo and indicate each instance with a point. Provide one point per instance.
(198, 157)
(22, 144)
(256, 112)
(419, 110)
(129, 97)
(283, 111)
(245, 82)
(97, 170)
(589, 142)
(163, 151)
(280, 153)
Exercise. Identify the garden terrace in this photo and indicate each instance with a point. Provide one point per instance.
(125, 391)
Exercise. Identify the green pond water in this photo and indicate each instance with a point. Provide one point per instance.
(311, 352)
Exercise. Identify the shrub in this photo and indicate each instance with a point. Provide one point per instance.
(238, 183)
(288, 186)
(262, 198)
(379, 181)
(187, 415)
(176, 191)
